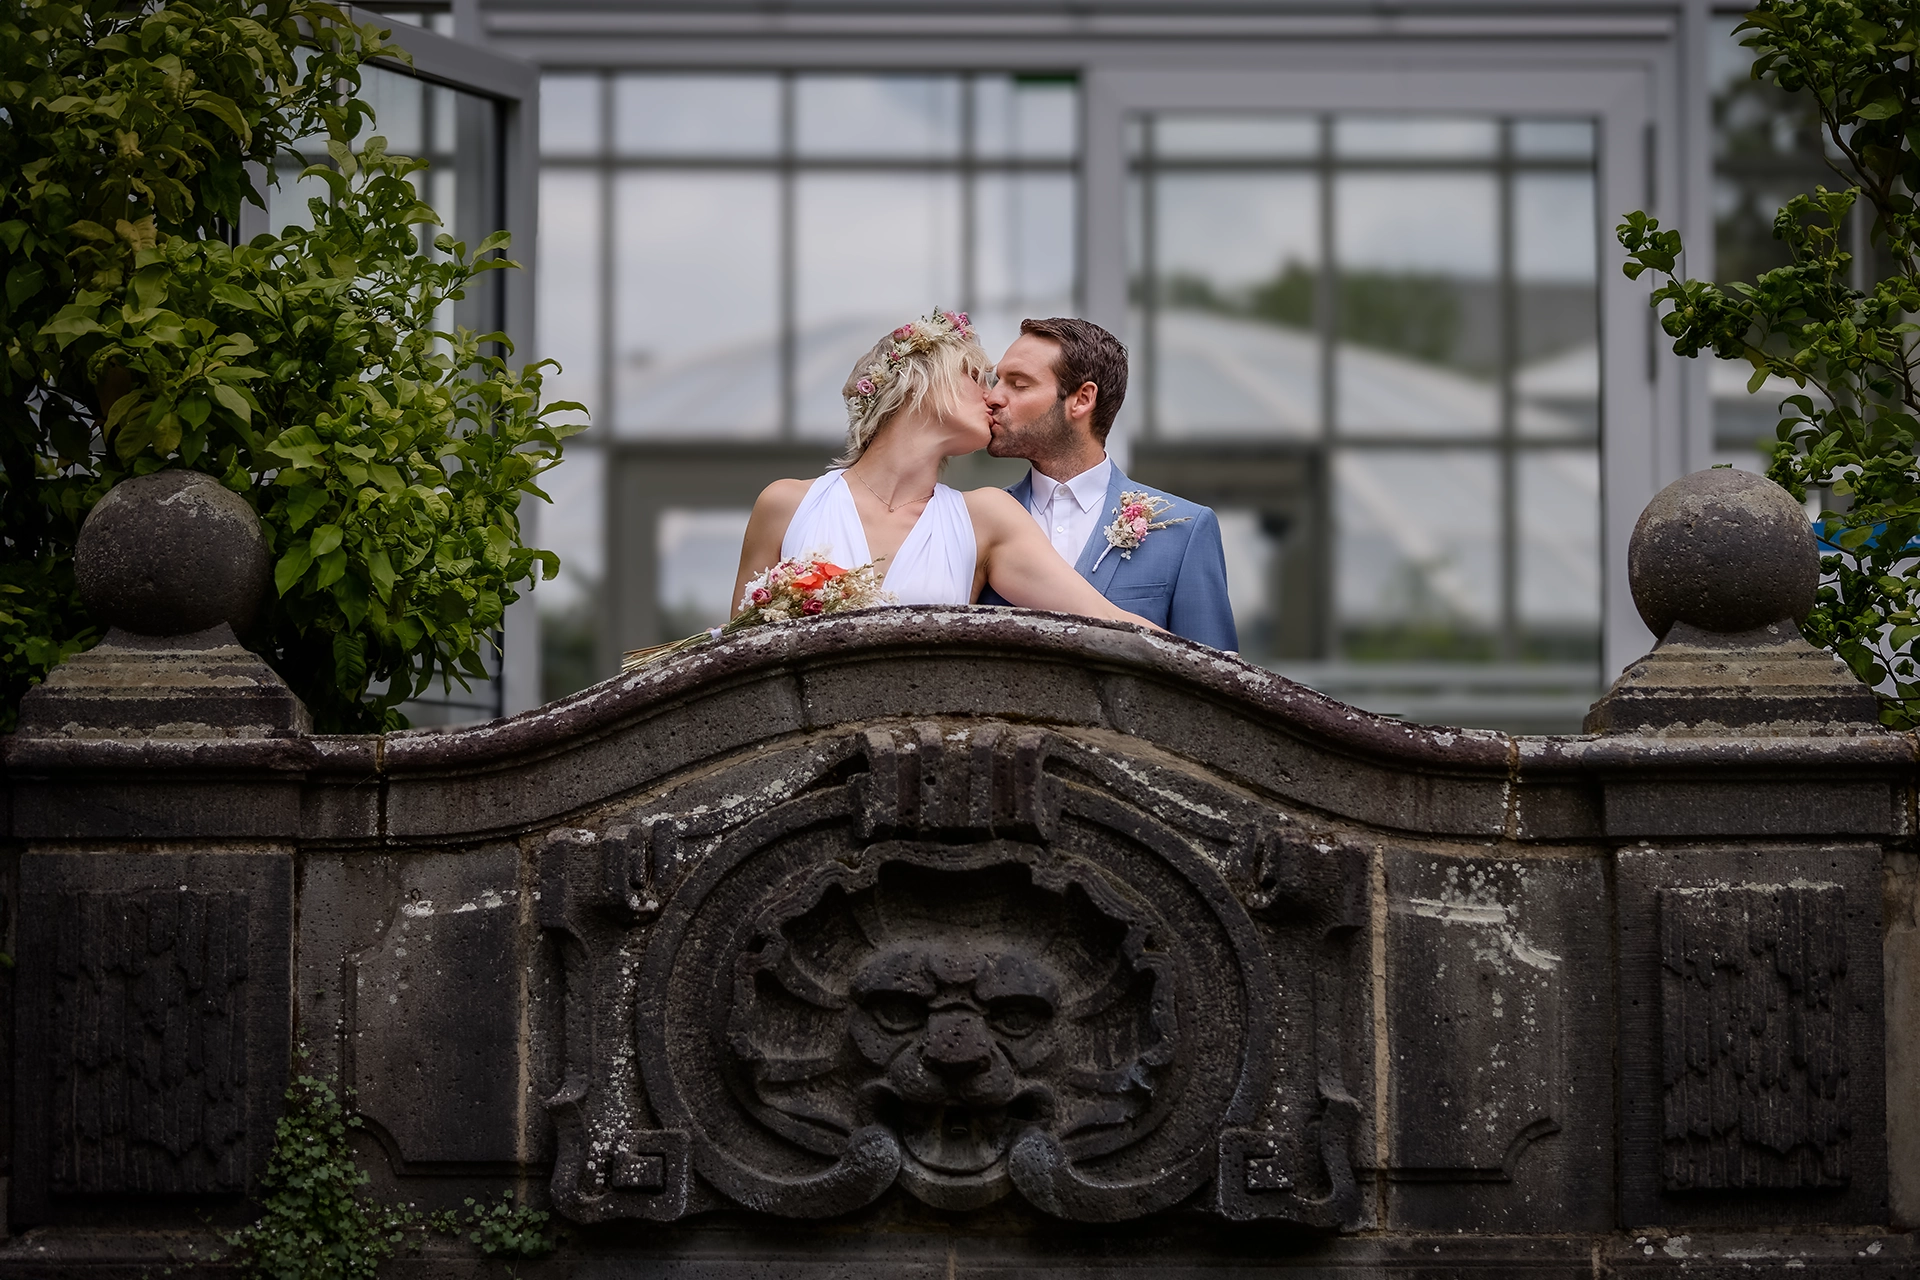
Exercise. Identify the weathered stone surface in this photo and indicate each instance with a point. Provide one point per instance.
(1002, 942)
(153, 1038)
(1723, 569)
(1725, 551)
(1765, 681)
(170, 554)
(1502, 1079)
(203, 685)
(1750, 1030)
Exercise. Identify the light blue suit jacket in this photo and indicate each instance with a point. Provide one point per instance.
(1176, 578)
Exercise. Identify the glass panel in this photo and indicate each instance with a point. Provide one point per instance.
(1559, 504)
(872, 253)
(1024, 253)
(1418, 303)
(568, 277)
(686, 115)
(871, 116)
(1234, 347)
(1414, 137)
(1179, 136)
(1553, 139)
(1417, 574)
(696, 337)
(569, 115)
(399, 103)
(1024, 118)
(1251, 549)
(699, 554)
(1555, 240)
(573, 526)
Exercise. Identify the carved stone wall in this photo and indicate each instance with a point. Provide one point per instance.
(936, 944)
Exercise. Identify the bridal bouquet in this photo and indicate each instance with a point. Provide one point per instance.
(806, 586)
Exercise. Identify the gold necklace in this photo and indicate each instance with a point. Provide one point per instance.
(890, 506)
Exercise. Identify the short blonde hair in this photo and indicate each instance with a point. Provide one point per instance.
(921, 362)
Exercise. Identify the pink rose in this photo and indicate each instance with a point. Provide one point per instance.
(811, 606)
(904, 332)
(761, 595)
(1139, 525)
(864, 386)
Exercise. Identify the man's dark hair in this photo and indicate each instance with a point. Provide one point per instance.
(1088, 353)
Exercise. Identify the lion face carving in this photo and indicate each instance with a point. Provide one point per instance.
(958, 1010)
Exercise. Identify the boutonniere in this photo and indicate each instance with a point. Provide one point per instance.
(1134, 522)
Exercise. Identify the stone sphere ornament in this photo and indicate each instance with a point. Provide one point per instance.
(1725, 551)
(170, 554)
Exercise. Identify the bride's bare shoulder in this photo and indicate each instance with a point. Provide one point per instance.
(782, 497)
(992, 504)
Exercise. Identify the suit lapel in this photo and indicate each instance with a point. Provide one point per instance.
(1097, 540)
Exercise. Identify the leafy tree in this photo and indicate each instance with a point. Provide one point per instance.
(1854, 431)
(386, 458)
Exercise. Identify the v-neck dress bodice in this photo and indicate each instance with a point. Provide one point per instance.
(933, 566)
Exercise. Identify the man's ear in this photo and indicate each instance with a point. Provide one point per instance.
(1080, 404)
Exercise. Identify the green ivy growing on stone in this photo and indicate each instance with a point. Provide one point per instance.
(1856, 435)
(386, 457)
(318, 1223)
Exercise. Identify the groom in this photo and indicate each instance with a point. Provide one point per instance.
(1059, 389)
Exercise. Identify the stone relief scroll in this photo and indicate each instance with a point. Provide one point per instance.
(952, 960)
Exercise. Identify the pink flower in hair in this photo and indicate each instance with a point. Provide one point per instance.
(904, 332)
(864, 386)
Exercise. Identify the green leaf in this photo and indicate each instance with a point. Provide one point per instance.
(291, 566)
(303, 505)
(23, 281)
(223, 110)
(325, 539)
(231, 400)
(1879, 110)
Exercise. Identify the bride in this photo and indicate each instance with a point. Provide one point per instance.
(917, 398)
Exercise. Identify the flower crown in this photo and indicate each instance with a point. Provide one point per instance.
(919, 335)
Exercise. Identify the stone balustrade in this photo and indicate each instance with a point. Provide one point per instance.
(955, 942)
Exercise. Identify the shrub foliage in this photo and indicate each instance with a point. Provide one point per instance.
(1854, 430)
(386, 456)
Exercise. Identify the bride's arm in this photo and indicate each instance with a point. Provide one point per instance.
(772, 513)
(1023, 566)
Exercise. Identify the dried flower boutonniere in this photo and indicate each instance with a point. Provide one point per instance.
(1135, 521)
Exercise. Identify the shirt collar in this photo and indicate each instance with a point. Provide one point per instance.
(1088, 489)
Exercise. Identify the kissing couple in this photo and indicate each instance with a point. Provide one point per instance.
(1074, 536)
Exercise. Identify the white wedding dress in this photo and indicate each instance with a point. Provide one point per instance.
(933, 566)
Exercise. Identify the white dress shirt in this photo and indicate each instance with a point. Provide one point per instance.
(1069, 510)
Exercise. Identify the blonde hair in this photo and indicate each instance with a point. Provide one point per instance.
(920, 363)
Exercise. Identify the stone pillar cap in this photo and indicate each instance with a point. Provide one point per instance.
(1724, 566)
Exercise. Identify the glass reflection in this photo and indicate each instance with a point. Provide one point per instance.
(1024, 258)
(1025, 118)
(873, 116)
(1414, 137)
(1185, 136)
(692, 115)
(699, 552)
(1553, 139)
(1233, 340)
(568, 280)
(870, 253)
(1559, 587)
(1417, 570)
(1418, 303)
(569, 115)
(696, 320)
(1555, 247)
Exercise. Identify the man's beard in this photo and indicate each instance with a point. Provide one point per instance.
(1047, 435)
